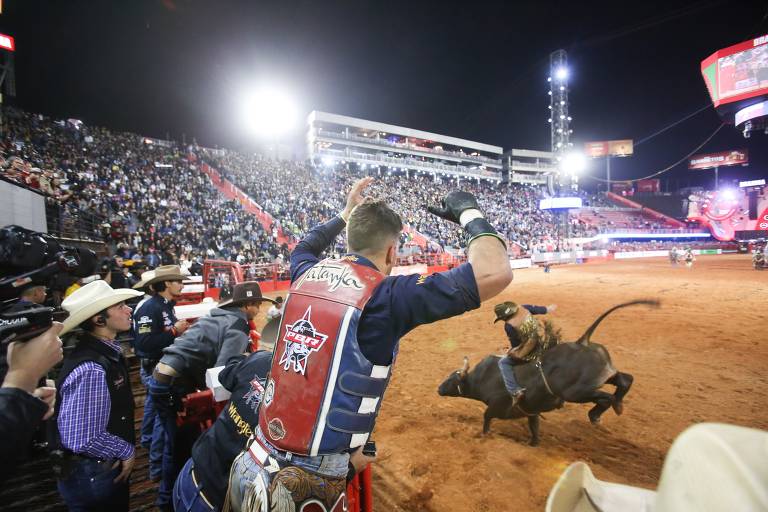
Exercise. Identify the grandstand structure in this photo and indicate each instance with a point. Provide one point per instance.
(528, 166)
(336, 139)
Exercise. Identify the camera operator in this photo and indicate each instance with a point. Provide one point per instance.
(31, 295)
(23, 405)
(95, 435)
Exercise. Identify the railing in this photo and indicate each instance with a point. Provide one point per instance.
(68, 221)
(411, 163)
(660, 231)
(414, 147)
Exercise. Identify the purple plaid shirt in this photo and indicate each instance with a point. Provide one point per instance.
(84, 413)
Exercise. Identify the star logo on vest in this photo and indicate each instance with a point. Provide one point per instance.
(301, 339)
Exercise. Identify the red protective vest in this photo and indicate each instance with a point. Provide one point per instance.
(322, 394)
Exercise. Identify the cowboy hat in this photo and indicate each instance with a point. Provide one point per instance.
(91, 299)
(249, 291)
(144, 281)
(505, 310)
(710, 466)
(166, 273)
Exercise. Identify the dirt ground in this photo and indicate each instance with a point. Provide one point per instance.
(702, 357)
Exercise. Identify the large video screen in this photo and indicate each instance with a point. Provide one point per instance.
(743, 72)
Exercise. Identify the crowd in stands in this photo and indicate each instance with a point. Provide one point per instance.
(300, 196)
(155, 206)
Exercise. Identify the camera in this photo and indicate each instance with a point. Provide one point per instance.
(29, 258)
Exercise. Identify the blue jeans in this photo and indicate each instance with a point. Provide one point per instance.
(245, 470)
(186, 494)
(508, 374)
(90, 487)
(164, 434)
(149, 439)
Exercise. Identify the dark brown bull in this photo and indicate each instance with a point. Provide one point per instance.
(567, 372)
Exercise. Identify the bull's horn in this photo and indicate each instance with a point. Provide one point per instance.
(465, 367)
(584, 340)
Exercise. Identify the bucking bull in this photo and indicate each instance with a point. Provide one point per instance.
(567, 372)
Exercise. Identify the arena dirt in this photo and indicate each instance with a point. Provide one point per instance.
(702, 357)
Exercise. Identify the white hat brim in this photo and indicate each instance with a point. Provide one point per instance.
(79, 316)
(577, 490)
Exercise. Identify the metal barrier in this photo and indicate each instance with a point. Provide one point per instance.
(68, 221)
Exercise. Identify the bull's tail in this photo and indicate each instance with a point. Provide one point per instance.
(584, 340)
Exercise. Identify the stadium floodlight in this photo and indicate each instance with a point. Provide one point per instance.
(573, 163)
(327, 161)
(561, 74)
(269, 112)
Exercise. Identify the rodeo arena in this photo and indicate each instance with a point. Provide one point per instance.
(194, 328)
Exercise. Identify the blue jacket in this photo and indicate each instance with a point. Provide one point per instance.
(152, 323)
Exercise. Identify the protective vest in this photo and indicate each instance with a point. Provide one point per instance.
(121, 405)
(322, 394)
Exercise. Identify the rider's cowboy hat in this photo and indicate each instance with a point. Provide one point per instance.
(710, 466)
(91, 299)
(505, 310)
(165, 273)
(145, 278)
(249, 291)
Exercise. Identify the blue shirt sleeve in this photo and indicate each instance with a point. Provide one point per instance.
(536, 310)
(421, 299)
(307, 252)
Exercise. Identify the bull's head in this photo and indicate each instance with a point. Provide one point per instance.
(456, 383)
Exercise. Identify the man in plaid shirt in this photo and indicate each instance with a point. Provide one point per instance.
(94, 412)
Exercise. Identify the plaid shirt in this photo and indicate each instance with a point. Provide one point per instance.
(84, 413)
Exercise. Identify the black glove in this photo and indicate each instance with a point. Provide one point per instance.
(453, 204)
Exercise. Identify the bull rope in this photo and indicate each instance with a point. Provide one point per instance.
(544, 378)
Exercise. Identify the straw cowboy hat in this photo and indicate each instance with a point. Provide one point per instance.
(249, 291)
(165, 273)
(505, 310)
(710, 466)
(145, 278)
(90, 299)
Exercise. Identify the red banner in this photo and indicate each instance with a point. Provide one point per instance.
(721, 159)
(648, 185)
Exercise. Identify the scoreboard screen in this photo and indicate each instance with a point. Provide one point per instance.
(738, 72)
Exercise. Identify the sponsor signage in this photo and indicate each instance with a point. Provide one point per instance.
(721, 159)
(624, 147)
(7, 43)
(752, 183)
(551, 203)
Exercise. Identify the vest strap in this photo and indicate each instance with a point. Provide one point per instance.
(350, 422)
(362, 385)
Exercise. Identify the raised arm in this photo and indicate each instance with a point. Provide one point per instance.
(486, 251)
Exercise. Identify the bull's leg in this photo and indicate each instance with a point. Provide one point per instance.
(622, 381)
(533, 426)
(487, 417)
(602, 400)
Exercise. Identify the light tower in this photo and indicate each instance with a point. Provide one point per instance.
(559, 117)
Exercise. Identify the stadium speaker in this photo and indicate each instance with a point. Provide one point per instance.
(752, 197)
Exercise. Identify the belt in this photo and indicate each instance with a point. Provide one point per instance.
(199, 490)
(260, 454)
(162, 378)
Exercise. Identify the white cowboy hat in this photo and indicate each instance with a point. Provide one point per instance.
(166, 273)
(710, 466)
(145, 278)
(90, 299)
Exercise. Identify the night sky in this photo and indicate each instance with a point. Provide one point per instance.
(475, 70)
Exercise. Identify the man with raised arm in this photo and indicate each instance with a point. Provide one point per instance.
(342, 322)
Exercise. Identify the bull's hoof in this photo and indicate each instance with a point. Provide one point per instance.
(533, 442)
(594, 419)
(618, 408)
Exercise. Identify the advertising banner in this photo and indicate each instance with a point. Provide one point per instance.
(624, 147)
(721, 159)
